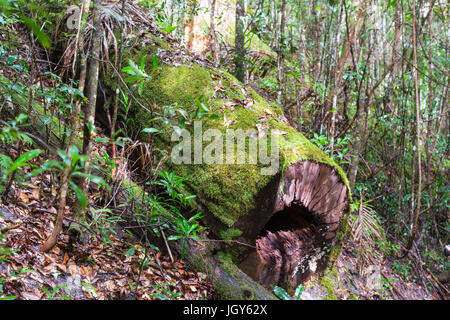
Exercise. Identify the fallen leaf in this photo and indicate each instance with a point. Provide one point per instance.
(56, 250)
(35, 195)
(30, 296)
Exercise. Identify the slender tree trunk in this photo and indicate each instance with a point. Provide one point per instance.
(180, 30)
(339, 68)
(74, 128)
(116, 98)
(275, 25)
(280, 53)
(212, 31)
(89, 126)
(239, 42)
(419, 157)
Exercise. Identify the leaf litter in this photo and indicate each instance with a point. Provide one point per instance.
(81, 271)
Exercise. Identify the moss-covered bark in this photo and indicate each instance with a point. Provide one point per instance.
(228, 191)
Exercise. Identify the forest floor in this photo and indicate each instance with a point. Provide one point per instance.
(117, 267)
(114, 269)
(391, 284)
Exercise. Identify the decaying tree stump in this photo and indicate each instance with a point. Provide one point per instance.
(300, 226)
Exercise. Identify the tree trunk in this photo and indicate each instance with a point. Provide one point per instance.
(418, 151)
(280, 53)
(283, 212)
(89, 125)
(230, 283)
(239, 42)
(293, 213)
(212, 31)
(74, 127)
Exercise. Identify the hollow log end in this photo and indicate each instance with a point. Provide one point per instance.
(299, 237)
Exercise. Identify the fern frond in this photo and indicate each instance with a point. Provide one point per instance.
(5, 163)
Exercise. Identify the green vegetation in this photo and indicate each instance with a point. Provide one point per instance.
(91, 106)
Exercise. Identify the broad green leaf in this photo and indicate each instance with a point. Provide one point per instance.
(23, 159)
(281, 293)
(150, 130)
(42, 37)
(80, 195)
(298, 292)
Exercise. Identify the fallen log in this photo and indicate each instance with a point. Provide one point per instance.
(229, 281)
(298, 229)
(292, 217)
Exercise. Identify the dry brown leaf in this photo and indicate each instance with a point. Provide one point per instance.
(73, 269)
(62, 267)
(56, 250)
(66, 258)
(30, 296)
(23, 196)
(34, 195)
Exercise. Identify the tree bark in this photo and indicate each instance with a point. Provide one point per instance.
(239, 61)
(89, 125)
(229, 282)
(75, 124)
(418, 152)
(212, 31)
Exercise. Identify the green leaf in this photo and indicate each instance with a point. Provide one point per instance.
(281, 293)
(42, 37)
(130, 252)
(143, 62)
(150, 130)
(93, 178)
(5, 162)
(80, 195)
(298, 292)
(22, 160)
(155, 62)
(175, 237)
(136, 69)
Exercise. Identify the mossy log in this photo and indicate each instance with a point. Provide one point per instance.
(291, 218)
(229, 282)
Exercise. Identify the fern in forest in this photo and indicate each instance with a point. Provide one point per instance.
(5, 163)
(11, 131)
(366, 230)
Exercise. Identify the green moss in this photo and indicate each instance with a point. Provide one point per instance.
(181, 85)
(352, 297)
(334, 254)
(344, 228)
(227, 190)
(134, 190)
(227, 257)
(160, 42)
(328, 284)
